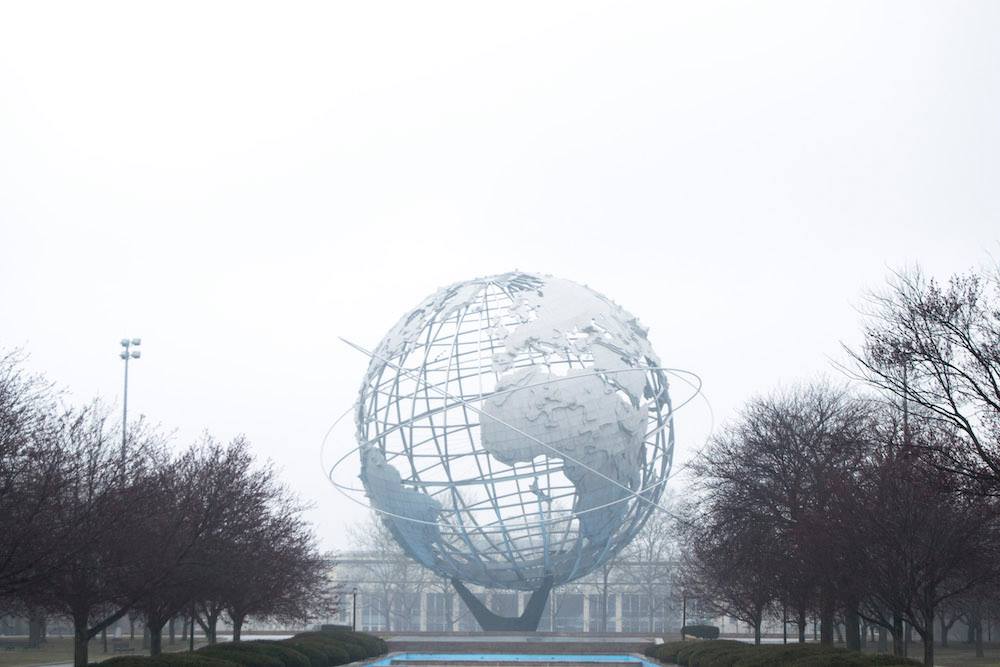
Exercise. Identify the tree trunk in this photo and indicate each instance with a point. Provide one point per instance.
(802, 626)
(172, 630)
(155, 641)
(80, 639)
(145, 637)
(36, 628)
(154, 627)
(928, 638)
(784, 624)
(897, 635)
(756, 632)
(944, 633)
(238, 626)
(184, 629)
(853, 630)
(210, 623)
(883, 640)
(826, 617)
(908, 639)
(979, 636)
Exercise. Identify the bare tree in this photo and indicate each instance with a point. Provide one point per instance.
(790, 459)
(105, 485)
(937, 346)
(647, 564)
(32, 467)
(923, 542)
(730, 565)
(263, 562)
(394, 577)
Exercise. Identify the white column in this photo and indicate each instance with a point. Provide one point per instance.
(618, 612)
(423, 611)
(586, 613)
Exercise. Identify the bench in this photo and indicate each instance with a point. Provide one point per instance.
(122, 647)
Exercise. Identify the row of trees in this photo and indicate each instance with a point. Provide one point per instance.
(877, 508)
(94, 526)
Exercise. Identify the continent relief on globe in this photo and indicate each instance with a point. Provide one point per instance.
(581, 419)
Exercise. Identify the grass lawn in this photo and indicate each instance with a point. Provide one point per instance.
(957, 654)
(60, 649)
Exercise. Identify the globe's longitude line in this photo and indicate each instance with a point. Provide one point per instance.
(491, 492)
(458, 326)
(462, 535)
(422, 392)
(426, 385)
(522, 516)
(526, 526)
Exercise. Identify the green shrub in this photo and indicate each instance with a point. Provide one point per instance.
(286, 654)
(168, 660)
(186, 659)
(833, 659)
(701, 631)
(696, 653)
(667, 651)
(729, 653)
(241, 654)
(333, 651)
(317, 657)
(718, 656)
(783, 654)
(372, 645)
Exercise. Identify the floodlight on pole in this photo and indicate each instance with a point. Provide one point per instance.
(126, 354)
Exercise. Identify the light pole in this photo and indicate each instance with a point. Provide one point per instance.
(684, 613)
(126, 354)
(354, 610)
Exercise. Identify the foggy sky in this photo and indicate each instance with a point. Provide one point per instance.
(239, 184)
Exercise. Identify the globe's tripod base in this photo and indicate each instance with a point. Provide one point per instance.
(488, 621)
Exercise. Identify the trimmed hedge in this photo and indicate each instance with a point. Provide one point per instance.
(333, 654)
(238, 652)
(286, 654)
(701, 631)
(372, 644)
(730, 653)
(167, 660)
(327, 648)
(316, 656)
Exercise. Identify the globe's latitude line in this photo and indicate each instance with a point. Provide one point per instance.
(481, 412)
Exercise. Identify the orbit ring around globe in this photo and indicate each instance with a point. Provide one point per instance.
(350, 492)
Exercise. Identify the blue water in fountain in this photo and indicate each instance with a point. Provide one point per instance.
(567, 658)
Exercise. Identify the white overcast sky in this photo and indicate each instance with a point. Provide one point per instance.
(239, 184)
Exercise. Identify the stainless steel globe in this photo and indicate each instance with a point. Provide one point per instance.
(514, 430)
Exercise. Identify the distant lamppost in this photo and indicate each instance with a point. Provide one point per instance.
(684, 613)
(354, 610)
(126, 354)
